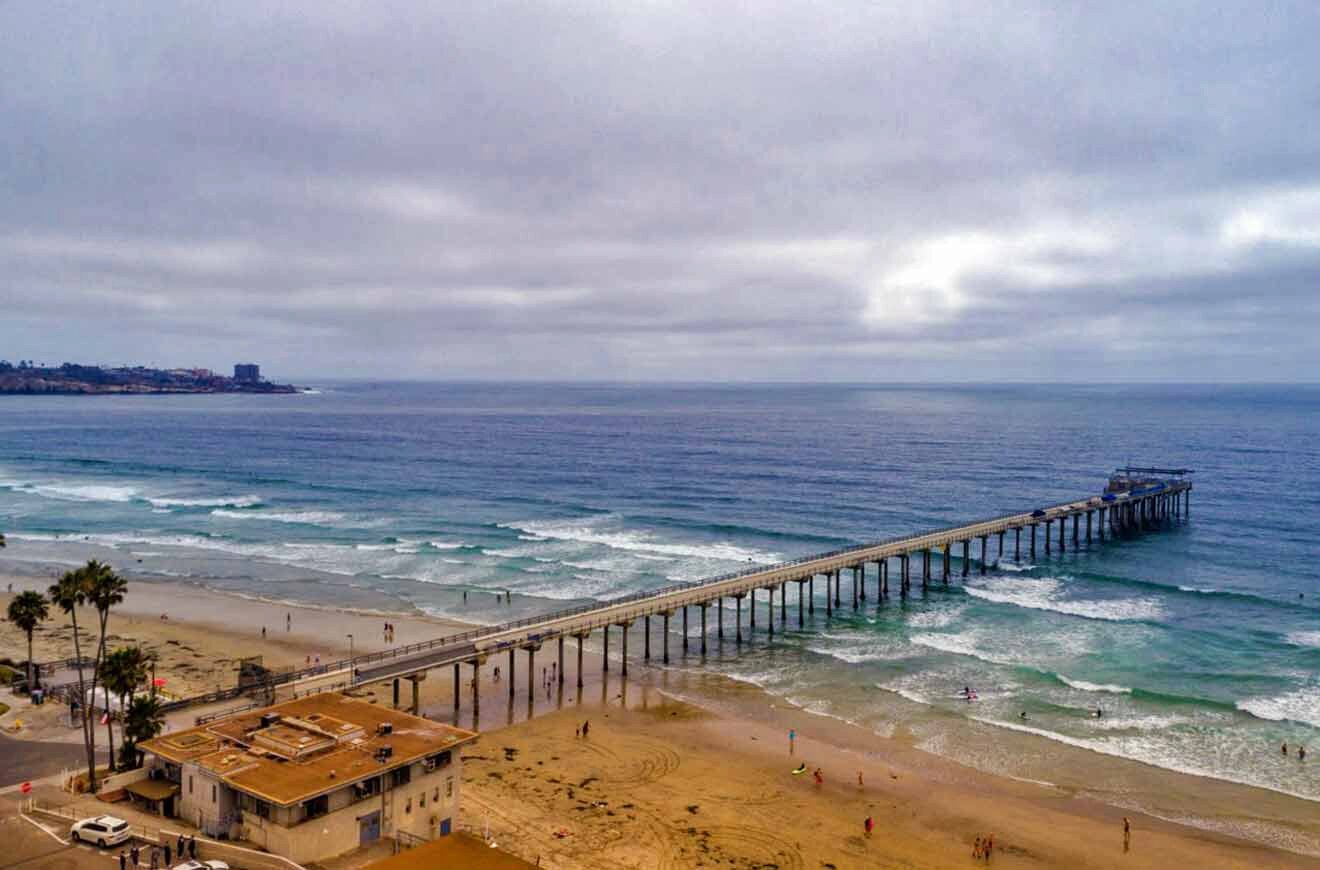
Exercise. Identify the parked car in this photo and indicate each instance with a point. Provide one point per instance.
(101, 830)
(201, 865)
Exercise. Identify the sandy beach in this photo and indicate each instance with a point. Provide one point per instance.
(662, 782)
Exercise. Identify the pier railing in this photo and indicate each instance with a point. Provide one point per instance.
(971, 529)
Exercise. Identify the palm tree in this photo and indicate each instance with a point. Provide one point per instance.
(96, 584)
(27, 610)
(105, 589)
(122, 672)
(143, 721)
(68, 595)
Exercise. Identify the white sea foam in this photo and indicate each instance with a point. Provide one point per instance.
(935, 618)
(1304, 638)
(1204, 590)
(906, 693)
(314, 518)
(1145, 749)
(589, 531)
(1302, 705)
(225, 501)
(80, 491)
(1095, 687)
(1143, 724)
(958, 644)
(446, 545)
(1046, 593)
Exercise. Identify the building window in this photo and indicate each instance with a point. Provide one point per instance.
(421, 801)
(212, 793)
(407, 806)
(317, 806)
(402, 776)
(189, 783)
(449, 787)
(263, 810)
(443, 759)
(435, 796)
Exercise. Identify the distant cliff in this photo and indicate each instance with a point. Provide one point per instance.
(72, 379)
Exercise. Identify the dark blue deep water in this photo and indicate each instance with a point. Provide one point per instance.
(1196, 641)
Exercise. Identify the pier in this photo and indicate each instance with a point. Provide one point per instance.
(1136, 500)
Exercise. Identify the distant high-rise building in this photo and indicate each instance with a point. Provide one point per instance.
(247, 373)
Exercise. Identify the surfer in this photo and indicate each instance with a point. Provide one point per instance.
(801, 768)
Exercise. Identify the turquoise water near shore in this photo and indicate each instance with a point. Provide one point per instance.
(1201, 643)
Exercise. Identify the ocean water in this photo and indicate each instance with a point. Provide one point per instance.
(1201, 643)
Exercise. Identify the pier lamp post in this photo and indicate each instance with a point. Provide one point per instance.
(352, 671)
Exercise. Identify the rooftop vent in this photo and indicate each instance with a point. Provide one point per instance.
(269, 719)
(385, 728)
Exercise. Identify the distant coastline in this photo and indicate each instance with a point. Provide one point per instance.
(71, 379)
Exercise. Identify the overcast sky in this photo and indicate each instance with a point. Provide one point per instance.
(642, 190)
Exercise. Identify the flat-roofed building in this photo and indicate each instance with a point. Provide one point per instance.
(247, 373)
(314, 777)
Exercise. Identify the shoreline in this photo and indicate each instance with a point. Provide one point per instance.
(1213, 807)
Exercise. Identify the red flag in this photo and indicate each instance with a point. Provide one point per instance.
(105, 717)
(158, 682)
(25, 788)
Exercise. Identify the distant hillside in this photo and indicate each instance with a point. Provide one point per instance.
(71, 379)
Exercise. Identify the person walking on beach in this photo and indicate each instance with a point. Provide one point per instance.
(1301, 753)
(465, 596)
(1284, 749)
(135, 854)
(989, 847)
(860, 784)
(192, 846)
(577, 732)
(263, 632)
(867, 826)
(1127, 834)
(179, 845)
(976, 848)
(586, 728)
(166, 847)
(818, 777)
(123, 860)
(288, 621)
(792, 739)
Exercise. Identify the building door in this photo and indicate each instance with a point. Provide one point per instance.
(369, 828)
(445, 825)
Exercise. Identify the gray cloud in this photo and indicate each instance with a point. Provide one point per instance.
(771, 191)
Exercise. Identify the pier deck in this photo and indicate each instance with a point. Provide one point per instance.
(1115, 512)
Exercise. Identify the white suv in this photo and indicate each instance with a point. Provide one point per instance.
(101, 830)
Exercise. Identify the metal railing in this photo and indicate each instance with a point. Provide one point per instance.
(956, 532)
